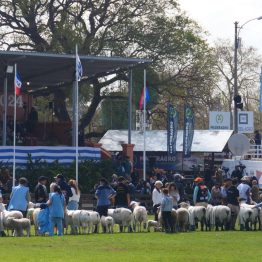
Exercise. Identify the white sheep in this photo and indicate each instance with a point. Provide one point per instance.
(19, 225)
(209, 217)
(80, 221)
(35, 220)
(139, 216)
(221, 216)
(29, 215)
(69, 221)
(182, 219)
(244, 217)
(152, 223)
(108, 223)
(5, 214)
(248, 214)
(196, 214)
(94, 221)
(122, 216)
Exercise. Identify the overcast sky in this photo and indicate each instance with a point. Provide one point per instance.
(218, 17)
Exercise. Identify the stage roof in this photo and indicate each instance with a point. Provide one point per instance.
(156, 140)
(48, 69)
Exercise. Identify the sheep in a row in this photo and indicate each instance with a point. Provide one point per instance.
(196, 214)
(139, 216)
(8, 214)
(108, 223)
(123, 217)
(218, 216)
(18, 226)
(248, 216)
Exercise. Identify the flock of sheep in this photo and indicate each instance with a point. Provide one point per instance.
(184, 218)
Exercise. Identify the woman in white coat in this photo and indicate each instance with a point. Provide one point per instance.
(157, 197)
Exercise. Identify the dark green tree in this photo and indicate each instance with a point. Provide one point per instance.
(155, 29)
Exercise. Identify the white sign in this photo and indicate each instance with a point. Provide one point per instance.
(245, 122)
(219, 120)
(140, 121)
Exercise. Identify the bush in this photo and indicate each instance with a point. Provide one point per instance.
(89, 172)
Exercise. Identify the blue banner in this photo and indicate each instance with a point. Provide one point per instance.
(188, 133)
(260, 99)
(172, 124)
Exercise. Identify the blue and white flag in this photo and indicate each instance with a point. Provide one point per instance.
(79, 68)
(260, 98)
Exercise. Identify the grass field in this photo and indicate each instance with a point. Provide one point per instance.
(155, 246)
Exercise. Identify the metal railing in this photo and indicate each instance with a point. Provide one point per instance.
(254, 153)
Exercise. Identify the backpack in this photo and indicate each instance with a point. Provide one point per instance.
(202, 195)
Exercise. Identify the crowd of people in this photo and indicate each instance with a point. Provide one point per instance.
(167, 191)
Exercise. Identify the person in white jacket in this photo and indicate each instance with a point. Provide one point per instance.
(157, 197)
(73, 202)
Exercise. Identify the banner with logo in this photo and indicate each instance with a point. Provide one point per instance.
(188, 133)
(219, 120)
(245, 122)
(172, 125)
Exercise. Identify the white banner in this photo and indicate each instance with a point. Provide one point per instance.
(219, 120)
(245, 122)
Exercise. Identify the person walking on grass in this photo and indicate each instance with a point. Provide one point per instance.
(57, 206)
(20, 197)
(166, 209)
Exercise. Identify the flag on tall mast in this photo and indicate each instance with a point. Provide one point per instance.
(79, 74)
(17, 91)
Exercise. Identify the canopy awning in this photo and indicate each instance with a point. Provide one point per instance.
(47, 69)
(156, 140)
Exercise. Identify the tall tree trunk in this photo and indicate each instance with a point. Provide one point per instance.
(60, 106)
(86, 119)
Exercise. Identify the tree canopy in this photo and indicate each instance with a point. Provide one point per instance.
(155, 29)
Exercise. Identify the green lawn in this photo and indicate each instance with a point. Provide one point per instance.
(194, 246)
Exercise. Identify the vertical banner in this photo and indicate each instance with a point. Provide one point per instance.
(172, 125)
(260, 98)
(188, 133)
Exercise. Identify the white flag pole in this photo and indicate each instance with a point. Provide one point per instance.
(14, 133)
(76, 114)
(144, 126)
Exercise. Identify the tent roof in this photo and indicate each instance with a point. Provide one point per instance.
(156, 140)
(47, 69)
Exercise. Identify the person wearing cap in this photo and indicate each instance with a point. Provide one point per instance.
(244, 189)
(20, 197)
(232, 199)
(65, 188)
(201, 195)
(157, 197)
(41, 195)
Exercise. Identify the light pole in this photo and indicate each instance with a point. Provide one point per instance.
(237, 31)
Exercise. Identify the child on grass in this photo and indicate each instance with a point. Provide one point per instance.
(56, 205)
(166, 208)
